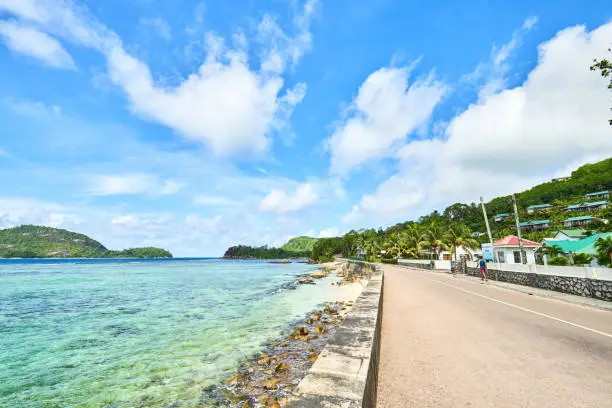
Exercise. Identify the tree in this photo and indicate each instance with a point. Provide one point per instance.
(582, 259)
(433, 239)
(459, 235)
(605, 69)
(604, 250)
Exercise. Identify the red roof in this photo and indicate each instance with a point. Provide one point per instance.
(512, 240)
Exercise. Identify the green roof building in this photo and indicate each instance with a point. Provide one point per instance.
(590, 206)
(538, 207)
(582, 220)
(597, 194)
(536, 225)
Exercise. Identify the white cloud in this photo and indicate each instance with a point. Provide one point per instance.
(280, 202)
(31, 42)
(119, 184)
(224, 104)
(495, 71)
(392, 199)
(18, 211)
(386, 110)
(329, 233)
(29, 9)
(513, 139)
(159, 25)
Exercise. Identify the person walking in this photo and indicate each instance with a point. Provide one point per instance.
(483, 270)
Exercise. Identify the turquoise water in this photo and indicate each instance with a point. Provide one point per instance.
(138, 334)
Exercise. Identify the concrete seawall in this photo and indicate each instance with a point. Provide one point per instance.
(346, 373)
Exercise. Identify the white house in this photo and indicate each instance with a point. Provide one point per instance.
(507, 250)
(570, 235)
(469, 254)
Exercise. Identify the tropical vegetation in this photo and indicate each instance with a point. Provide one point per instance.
(33, 241)
(604, 250)
(263, 252)
(300, 244)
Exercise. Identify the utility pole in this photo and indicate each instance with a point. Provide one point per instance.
(518, 231)
(484, 212)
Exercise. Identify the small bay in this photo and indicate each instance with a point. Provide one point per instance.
(138, 333)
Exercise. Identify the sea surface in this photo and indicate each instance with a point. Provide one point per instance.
(138, 333)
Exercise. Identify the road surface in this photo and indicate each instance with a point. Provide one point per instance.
(451, 342)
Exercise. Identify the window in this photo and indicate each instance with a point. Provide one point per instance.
(500, 257)
(446, 257)
(517, 257)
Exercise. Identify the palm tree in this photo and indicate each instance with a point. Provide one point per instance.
(604, 248)
(459, 235)
(550, 251)
(433, 239)
(410, 241)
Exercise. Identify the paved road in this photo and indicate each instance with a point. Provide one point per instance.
(449, 342)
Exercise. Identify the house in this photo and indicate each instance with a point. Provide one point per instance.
(501, 217)
(507, 250)
(598, 194)
(582, 220)
(571, 234)
(478, 234)
(538, 207)
(537, 225)
(587, 206)
(561, 179)
(582, 246)
(469, 254)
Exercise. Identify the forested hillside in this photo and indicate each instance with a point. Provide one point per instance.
(248, 252)
(299, 244)
(587, 179)
(32, 241)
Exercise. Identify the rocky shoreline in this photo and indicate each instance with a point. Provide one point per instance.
(268, 379)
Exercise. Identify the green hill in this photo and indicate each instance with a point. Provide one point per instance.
(586, 179)
(32, 241)
(300, 244)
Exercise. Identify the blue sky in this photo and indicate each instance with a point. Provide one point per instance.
(198, 125)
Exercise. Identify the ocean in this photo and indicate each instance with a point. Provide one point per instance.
(139, 333)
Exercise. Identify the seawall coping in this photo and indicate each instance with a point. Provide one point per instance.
(346, 373)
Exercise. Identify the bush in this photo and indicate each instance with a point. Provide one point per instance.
(582, 259)
(389, 261)
(558, 261)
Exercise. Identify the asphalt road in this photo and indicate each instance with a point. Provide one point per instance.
(450, 342)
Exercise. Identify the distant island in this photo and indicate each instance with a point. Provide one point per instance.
(299, 247)
(33, 241)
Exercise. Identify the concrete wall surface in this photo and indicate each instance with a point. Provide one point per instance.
(425, 263)
(346, 373)
(572, 280)
(568, 271)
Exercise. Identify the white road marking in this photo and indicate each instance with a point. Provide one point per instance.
(523, 309)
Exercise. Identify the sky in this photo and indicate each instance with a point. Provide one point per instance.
(197, 125)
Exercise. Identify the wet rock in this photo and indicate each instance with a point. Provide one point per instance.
(300, 333)
(307, 281)
(318, 275)
(281, 367)
(272, 403)
(271, 384)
